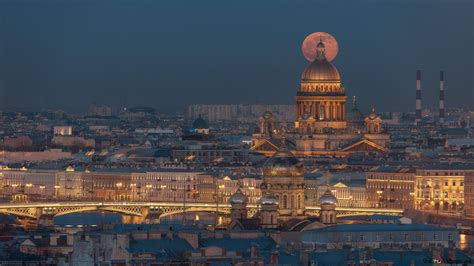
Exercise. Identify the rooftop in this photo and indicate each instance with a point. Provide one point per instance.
(381, 228)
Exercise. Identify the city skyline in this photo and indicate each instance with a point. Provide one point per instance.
(290, 132)
(126, 55)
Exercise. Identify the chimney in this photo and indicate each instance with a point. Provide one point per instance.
(418, 97)
(441, 97)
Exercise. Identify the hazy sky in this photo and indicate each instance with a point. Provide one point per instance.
(167, 54)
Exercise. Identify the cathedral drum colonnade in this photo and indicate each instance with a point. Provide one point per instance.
(320, 100)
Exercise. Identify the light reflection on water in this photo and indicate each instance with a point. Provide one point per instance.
(97, 218)
(87, 218)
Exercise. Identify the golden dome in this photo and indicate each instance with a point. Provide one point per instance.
(283, 163)
(320, 69)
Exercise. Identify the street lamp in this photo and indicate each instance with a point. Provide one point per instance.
(119, 186)
(412, 198)
(42, 187)
(56, 191)
(379, 192)
(28, 188)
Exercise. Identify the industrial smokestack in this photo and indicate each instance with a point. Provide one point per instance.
(418, 97)
(441, 97)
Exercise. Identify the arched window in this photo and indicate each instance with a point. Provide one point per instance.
(331, 218)
(299, 201)
(271, 219)
(285, 202)
(292, 201)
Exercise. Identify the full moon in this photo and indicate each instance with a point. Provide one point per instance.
(311, 41)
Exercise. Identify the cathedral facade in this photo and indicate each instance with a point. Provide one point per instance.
(323, 126)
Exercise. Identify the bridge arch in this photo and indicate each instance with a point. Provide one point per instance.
(179, 210)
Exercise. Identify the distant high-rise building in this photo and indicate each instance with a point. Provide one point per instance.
(239, 112)
(100, 110)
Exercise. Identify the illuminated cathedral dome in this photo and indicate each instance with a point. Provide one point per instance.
(328, 198)
(268, 199)
(283, 164)
(320, 70)
(321, 76)
(238, 198)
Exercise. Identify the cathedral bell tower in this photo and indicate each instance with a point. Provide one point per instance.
(283, 176)
(238, 202)
(327, 202)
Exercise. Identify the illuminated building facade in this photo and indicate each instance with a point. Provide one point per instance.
(469, 194)
(166, 186)
(107, 185)
(123, 185)
(390, 187)
(35, 185)
(63, 130)
(69, 184)
(250, 187)
(347, 195)
(439, 189)
(322, 126)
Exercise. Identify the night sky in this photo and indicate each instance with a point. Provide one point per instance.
(168, 54)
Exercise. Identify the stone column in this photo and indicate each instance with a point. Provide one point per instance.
(333, 115)
(343, 111)
(340, 111)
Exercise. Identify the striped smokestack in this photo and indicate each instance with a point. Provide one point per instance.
(441, 97)
(418, 97)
